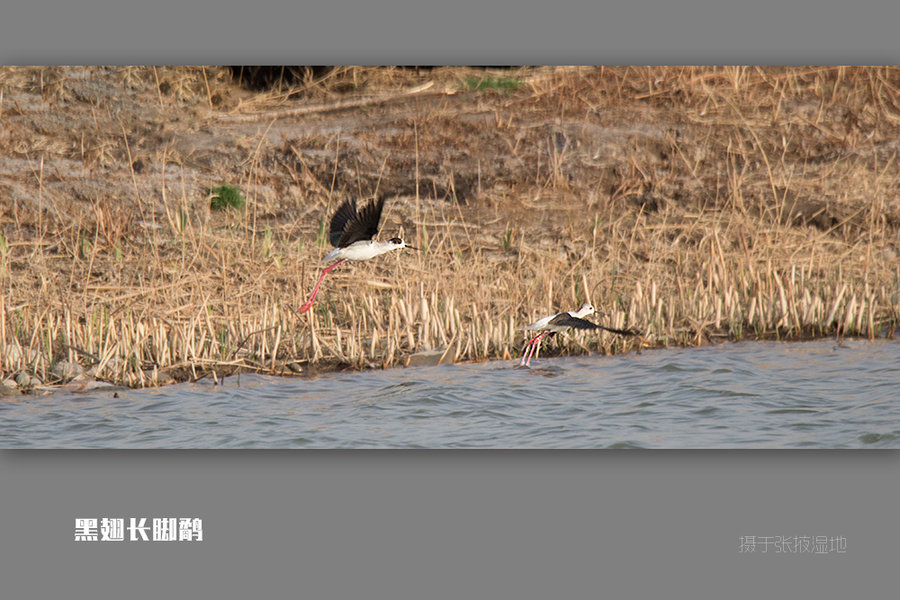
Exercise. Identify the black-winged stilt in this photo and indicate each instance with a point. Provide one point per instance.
(559, 323)
(351, 234)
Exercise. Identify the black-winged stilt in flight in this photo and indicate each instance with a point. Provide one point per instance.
(559, 323)
(351, 234)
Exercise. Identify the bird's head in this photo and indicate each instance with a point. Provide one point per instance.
(586, 309)
(398, 243)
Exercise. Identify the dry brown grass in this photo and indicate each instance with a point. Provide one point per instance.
(690, 203)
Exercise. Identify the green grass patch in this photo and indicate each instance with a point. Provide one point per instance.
(507, 239)
(224, 197)
(497, 84)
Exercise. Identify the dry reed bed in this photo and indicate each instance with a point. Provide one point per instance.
(694, 239)
(218, 314)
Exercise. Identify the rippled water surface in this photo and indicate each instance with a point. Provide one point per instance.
(747, 395)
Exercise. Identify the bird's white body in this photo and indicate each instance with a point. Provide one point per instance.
(364, 250)
(544, 324)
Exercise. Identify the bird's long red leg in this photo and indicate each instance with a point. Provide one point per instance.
(533, 344)
(308, 304)
(537, 346)
(529, 346)
(525, 352)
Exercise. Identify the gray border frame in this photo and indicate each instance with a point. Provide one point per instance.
(459, 32)
(452, 524)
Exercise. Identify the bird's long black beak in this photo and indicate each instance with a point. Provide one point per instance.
(410, 247)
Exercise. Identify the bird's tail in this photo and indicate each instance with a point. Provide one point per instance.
(330, 256)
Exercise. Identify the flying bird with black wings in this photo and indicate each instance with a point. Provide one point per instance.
(559, 323)
(351, 234)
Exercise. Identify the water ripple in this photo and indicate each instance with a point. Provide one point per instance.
(748, 395)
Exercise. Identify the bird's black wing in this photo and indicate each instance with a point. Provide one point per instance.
(362, 225)
(618, 331)
(345, 213)
(566, 320)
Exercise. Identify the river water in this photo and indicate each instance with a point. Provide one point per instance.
(748, 395)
